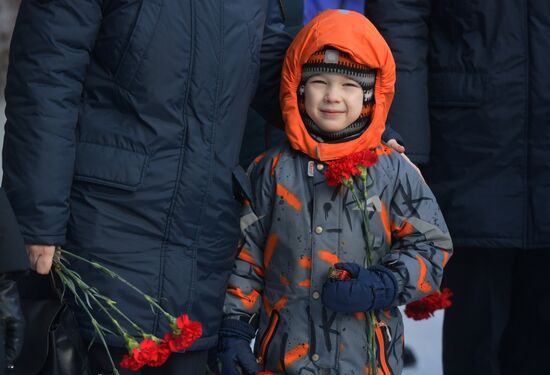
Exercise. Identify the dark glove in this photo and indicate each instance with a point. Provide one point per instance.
(234, 350)
(12, 316)
(370, 288)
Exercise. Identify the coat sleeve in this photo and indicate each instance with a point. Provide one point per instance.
(274, 45)
(49, 55)
(421, 243)
(404, 25)
(246, 284)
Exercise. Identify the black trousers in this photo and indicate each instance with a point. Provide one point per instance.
(499, 323)
(192, 363)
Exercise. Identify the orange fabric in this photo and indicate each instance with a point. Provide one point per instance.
(305, 262)
(359, 315)
(259, 271)
(422, 284)
(405, 230)
(279, 305)
(367, 371)
(352, 33)
(445, 256)
(288, 197)
(270, 245)
(383, 150)
(248, 300)
(274, 163)
(386, 222)
(296, 353)
(259, 158)
(245, 256)
(382, 351)
(305, 283)
(328, 257)
(284, 280)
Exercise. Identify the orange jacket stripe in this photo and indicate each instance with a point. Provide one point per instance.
(328, 257)
(305, 262)
(258, 158)
(288, 197)
(270, 245)
(385, 217)
(248, 300)
(405, 230)
(245, 256)
(422, 284)
(274, 163)
(296, 353)
(305, 283)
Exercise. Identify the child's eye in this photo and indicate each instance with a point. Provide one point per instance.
(350, 84)
(320, 81)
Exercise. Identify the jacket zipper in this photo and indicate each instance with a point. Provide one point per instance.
(381, 346)
(268, 335)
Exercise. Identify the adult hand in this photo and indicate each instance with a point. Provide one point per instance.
(235, 351)
(370, 288)
(41, 257)
(12, 316)
(392, 143)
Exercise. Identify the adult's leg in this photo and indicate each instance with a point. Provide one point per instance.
(481, 280)
(526, 346)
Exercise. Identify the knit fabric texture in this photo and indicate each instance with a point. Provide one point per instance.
(331, 60)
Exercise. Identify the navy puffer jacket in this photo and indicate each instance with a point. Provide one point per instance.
(474, 76)
(125, 118)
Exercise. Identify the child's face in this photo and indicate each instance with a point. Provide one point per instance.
(333, 101)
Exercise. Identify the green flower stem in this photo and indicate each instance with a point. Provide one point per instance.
(153, 302)
(369, 261)
(97, 327)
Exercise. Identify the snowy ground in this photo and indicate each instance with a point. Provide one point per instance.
(423, 337)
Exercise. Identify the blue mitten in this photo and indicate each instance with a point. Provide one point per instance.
(234, 350)
(370, 288)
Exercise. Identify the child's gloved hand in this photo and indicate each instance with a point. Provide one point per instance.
(234, 350)
(370, 288)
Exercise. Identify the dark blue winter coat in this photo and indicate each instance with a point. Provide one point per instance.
(474, 76)
(125, 118)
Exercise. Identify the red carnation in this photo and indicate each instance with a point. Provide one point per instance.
(186, 332)
(425, 307)
(160, 356)
(343, 169)
(132, 361)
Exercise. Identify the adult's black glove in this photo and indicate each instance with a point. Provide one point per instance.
(368, 289)
(12, 319)
(235, 337)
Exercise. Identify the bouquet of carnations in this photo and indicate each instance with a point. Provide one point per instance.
(151, 350)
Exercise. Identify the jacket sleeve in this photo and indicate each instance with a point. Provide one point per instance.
(421, 243)
(274, 45)
(244, 291)
(404, 25)
(49, 55)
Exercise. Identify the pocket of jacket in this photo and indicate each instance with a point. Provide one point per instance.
(456, 89)
(142, 33)
(267, 337)
(110, 166)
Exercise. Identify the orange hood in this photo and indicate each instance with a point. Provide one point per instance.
(350, 32)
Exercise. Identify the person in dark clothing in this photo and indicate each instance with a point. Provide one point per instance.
(12, 261)
(472, 77)
(124, 122)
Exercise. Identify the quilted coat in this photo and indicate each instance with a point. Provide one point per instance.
(124, 122)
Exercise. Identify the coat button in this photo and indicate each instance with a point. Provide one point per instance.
(320, 167)
(318, 229)
(316, 295)
(315, 357)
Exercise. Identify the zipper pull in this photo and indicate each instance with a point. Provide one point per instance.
(387, 330)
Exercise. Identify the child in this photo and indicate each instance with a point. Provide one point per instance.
(337, 86)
